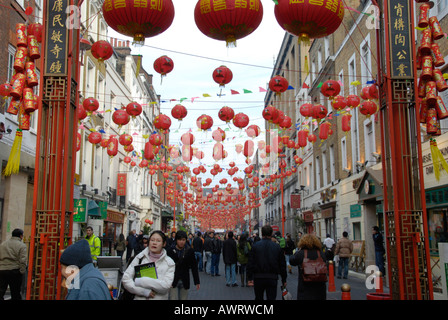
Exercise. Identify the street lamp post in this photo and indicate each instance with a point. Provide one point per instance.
(282, 165)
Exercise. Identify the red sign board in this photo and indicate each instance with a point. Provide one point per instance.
(308, 217)
(275, 228)
(121, 184)
(295, 201)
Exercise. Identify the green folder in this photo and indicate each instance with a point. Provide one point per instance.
(146, 270)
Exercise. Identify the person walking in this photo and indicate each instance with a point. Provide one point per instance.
(289, 248)
(120, 246)
(171, 241)
(13, 264)
(94, 243)
(309, 246)
(148, 288)
(243, 250)
(229, 254)
(344, 249)
(216, 253)
(379, 249)
(329, 247)
(184, 257)
(131, 243)
(266, 262)
(82, 280)
(208, 247)
(198, 247)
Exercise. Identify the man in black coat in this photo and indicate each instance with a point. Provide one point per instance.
(229, 255)
(266, 263)
(185, 260)
(198, 246)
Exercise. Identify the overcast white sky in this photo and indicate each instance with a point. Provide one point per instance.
(195, 57)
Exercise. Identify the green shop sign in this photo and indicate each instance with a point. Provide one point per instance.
(355, 211)
(80, 210)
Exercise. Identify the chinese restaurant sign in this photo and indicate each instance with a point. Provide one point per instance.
(80, 210)
(121, 184)
(400, 39)
(56, 38)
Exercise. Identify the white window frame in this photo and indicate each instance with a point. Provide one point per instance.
(324, 169)
(332, 164)
(369, 144)
(344, 161)
(365, 62)
(318, 173)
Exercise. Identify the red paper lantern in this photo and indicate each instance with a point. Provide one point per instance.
(162, 122)
(241, 120)
(187, 138)
(179, 112)
(228, 20)
(112, 146)
(95, 137)
(253, 131)
(319, 111)
(78, 141)
(278, 84)
(308, 20)
(134, 109)
(285, 123)
(302, 136)
(339, 103)
(5, 90)
(306, 110)
(187, 153)
(90, 105)
(127, 159)
(330, 88)
(138, 19)
(125, 139)
(324, 130)
(312, 138)
(128, 148)
(368, 108)
(345, 119)
(353, 101)
(148, 152)
(373, 91)
(104, 143)
(365, 94)
(204, 122)
(226, 114)
(222, 75)
(163, 65)
(219, 135)
(155, 139)
(248, 150)
(270, 113)
(120, 117)
(102, 50)
(218, 151)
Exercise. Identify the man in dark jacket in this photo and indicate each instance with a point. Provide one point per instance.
(229, 254)
(379, 249)
(208, 247)
(183, 256)
(266, 263)
(198, 247)
(216, 253)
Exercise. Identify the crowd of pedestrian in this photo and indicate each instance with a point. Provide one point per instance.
(260, 262)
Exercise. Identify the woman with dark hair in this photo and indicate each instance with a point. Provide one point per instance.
(120, 245)
(242, 251)
(151, 288)
(311, 246)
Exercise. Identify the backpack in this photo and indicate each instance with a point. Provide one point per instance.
(281, 242)
(314, 270)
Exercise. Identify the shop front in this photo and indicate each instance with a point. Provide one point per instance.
(113, 227)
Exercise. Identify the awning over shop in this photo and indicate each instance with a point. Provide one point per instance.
(93, 209)
(167, 214)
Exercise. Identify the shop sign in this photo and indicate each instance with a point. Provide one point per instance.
(308, 217)
(327, 213)
(295, 201)
(79, 210)
(121, 184)
(355, 210)
(115, 217)
(103, 209)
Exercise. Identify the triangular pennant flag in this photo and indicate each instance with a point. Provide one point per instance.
(290, 88)
(305, 86)
(234, 92)
(320, 85)
(182, 99)
(206, 95)
(247, 91)
(355, 83)
(262, 89)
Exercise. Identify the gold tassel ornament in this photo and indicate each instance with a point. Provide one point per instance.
(437, 158)
(13, 164)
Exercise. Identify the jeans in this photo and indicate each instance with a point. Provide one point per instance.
(230, 273)
(208, 266)
(343, 263)
(215, 264)
(13, 279)
(379, 261)
(287, 256)
(269, 285)
(179, 292)
(198, 256)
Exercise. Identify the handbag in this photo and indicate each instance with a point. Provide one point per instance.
(314, 270)
(125, 294)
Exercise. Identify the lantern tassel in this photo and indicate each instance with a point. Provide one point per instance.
(437, 159)
(304, 39)
(14, 157)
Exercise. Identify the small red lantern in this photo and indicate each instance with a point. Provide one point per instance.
(179, 112)
(187, 138)
(162, 122)
(353, 101)
(253, 131)
(155, 139)
(227, 20)
(345, 119)
(222, 75)
(104, 143)
(278, 84)
(270, 113)
(368, 108)
(204, 122)
(148, 152)
(95, 137)
(163, 65)
(339, 103)
(120, 117)
(134, 109)
(127, 159)
(308, 20)
(226, 114)
(285, 123)
(90, 105)
(102, 50)
(128, 148)
(125, 139)
(138, 19)
(219, 135)
(319, 111)
(5, 90)
(330, 89)
(241, 120)
(78, 141)
(312, 138)
(306, 110)
(302, 136)
(112, 146)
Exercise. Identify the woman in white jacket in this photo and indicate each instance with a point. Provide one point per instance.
(148, 288)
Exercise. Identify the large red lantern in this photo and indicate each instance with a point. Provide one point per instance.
(204, 122)
(148, 153)
(162, 122)
(285, 123)
(102, 50)
(302, 136)
(330, 88)
(134, 109)
(155, 139)
(138, 19)
(226, 114)
(95, 137)
(309, 19)
(218, 151)
(319, 112)
(278, 84)
(253, 131)
(306, 110)
(112, 146)
(228, 20)
(368, 108)
(125, 139)
(222, 75)
(163, 65)
(353, 101)
(187, 153)
(241, 120)
(269, 113)
(339, 103)
(90, 105)
(179, 112)
(248, 150)
(120, 117)
(324, 130)
(187, 138)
